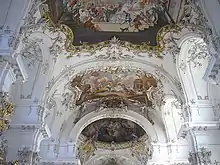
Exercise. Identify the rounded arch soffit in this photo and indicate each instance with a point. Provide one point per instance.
(129, 115)
(83, 65)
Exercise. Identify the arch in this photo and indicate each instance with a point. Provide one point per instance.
(129, 115)
(191, 65)
(171, 83)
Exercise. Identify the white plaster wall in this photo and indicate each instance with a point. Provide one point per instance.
(12, 12)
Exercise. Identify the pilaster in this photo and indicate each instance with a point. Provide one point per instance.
(203, 133)
(209, 9)
(24, 135)
(57, 152)
(5, 39)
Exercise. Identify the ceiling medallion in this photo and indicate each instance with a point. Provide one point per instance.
(89, 25)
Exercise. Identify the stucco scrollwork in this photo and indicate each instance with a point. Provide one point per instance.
(67, 99)
(31, 23)
(202, 155)
(142, 152)
(113, 105)
(198, 53)
(27, 156)
(114, 51)
(3, 149)
(113, 161)
(31, 52)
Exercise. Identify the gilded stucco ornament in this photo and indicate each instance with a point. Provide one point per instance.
(58, 23)
(6, 111)
(140, 149)
(143, 48)
(190, 19)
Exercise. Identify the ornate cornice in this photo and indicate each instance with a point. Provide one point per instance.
(202, 127)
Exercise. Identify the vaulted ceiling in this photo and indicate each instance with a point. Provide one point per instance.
(111, 72)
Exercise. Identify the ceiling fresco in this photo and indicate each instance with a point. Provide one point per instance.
(94, 21)
(99, 85)
(115, 130)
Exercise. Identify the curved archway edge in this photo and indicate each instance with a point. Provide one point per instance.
(129, 115)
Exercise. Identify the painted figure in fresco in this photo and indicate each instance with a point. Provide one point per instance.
(137, 22)
(90, 25)
(108, 88)
(71, 5)
(102, 18)
(127, 19)
(113, 130)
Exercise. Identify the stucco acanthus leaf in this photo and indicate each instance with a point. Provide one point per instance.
(183, 67)
(57, 47)
(31, 23)
(31, 52)
(114, 51)
(103, 107)
(10, 63)
(198, 53)
(202, 154)
(156, 95)
(171, 45)
(192, 15)
(3, 147)
(51, 103)
(45, 67)
(27, 156)
(142, 152)
(68, 98)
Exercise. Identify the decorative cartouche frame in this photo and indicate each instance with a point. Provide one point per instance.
(142, 48)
